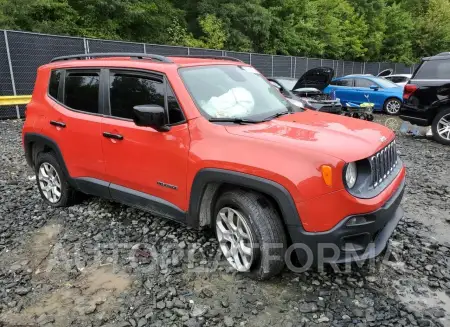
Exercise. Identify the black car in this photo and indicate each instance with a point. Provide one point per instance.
(308, 89)
(426, 97)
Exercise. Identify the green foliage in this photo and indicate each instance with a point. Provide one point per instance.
(371, 30)
(398, 40)
(433, 34)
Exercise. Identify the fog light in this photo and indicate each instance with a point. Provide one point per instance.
(355, 221)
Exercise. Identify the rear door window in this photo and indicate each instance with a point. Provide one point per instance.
(81, 90)
(434, 69)
(363, 82)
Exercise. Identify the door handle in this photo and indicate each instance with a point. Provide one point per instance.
(112, 136)
(57, 123)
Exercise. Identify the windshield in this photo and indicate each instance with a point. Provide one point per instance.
(384, 83)
(288, 84)
(228, 91)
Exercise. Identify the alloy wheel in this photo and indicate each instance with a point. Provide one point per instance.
(393, 106)
(49, 182)
(235, 238)
(443, 127)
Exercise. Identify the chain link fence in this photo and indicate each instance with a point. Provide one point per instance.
(21, 53)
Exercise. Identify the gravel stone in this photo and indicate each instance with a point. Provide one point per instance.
(407, 286)
(23, 290)
(228, 321)
(308, 307)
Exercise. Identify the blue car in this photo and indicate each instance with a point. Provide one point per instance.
(358, 89)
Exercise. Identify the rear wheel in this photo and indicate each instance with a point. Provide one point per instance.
(441, 127)
(392, 106)
(52, 184)
(250, 233)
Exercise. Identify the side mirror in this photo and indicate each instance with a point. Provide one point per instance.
(374, 87)
(278, 87)
(153, 116)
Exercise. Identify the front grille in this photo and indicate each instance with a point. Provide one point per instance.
(383, 163)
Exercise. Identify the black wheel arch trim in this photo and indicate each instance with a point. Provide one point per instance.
(42, 141)
(278, 192)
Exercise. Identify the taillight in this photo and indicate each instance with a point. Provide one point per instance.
(409, 90)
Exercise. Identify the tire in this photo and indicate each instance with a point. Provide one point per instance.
(264, 226)
(46, 163)
(438, 123)
(388, 106)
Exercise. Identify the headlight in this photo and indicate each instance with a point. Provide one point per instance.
(351, 174)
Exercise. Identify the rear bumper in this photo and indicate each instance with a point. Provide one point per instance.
(344, 243)
(418, 116)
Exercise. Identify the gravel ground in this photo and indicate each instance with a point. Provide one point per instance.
(103, 264)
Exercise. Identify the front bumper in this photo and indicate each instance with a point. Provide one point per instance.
(334, 107)
(344, 243)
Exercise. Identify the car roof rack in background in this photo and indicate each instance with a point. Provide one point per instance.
(114, 54)
(208, 57)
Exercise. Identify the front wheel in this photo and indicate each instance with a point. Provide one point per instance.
(441, 127)
(250, 233)
(392, 106)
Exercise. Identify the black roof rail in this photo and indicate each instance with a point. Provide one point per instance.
(208, 57)
(114, 54)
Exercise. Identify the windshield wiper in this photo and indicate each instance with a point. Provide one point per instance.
(233, 120)
(278, 114)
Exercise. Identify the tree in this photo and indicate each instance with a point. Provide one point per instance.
(214, 32)
(398, 39)
(433, 34)
(373, 13)
(369, 30)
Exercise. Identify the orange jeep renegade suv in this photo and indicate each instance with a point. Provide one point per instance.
(209, 142)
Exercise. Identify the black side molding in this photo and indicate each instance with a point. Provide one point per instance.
(93, 186)
(127, 196)
(271, 188)
(155, 205)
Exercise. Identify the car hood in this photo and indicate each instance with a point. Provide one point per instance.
(348, 139)
(318, 78)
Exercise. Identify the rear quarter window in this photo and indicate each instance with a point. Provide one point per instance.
(434, 69)
(53, 86)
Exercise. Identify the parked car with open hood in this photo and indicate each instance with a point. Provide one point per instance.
(308, 89)
(399, 79)
(385, 95)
